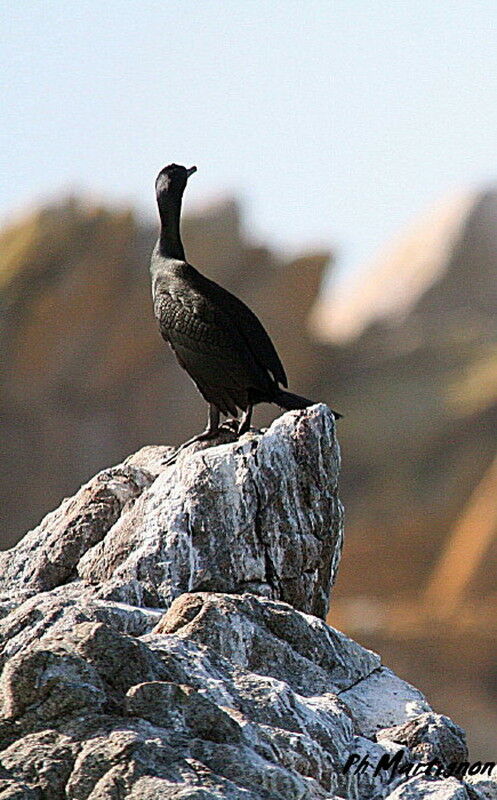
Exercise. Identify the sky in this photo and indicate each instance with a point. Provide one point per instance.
(335, 122)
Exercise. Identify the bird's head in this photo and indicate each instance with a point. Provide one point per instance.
(172, 180)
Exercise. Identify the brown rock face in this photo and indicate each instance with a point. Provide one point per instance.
(418, 389)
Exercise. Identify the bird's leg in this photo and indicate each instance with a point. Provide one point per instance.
(210, 432)
(212, 423)
(245, 421)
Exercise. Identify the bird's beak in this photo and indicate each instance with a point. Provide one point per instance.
(190, 171)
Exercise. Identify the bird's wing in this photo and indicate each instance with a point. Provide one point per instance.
(207, 343)
(248, 326)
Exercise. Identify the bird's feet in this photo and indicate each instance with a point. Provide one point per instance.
(239, 426)
(232, 424)
(201, 437)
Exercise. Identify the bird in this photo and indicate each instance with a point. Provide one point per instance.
(215, 337)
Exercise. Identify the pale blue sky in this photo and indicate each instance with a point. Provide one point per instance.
(334, 122)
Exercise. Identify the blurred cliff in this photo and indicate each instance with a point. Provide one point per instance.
(408, 352)
(413, 344)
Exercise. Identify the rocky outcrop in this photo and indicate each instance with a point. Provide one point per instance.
(86, 379)
(260, 515)
(162, 636)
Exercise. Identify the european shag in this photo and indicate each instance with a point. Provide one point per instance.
(216, 338)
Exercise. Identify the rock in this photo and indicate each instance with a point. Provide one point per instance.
(430, 736)
(43, 683)
(430, 789)
(383, 699)
(271, 639)
(484, 786)
(211, 693)
(260, 514)
(63, 608)
(44, 760)
(47, 556)
(170, 705)
(369, 754)
(12, 790)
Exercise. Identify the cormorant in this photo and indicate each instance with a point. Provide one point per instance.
(216, 338)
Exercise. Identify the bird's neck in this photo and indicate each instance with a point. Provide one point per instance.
(170, 244)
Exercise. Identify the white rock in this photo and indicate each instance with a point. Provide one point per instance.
(383, 700)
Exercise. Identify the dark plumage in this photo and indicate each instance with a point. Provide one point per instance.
(216, 338)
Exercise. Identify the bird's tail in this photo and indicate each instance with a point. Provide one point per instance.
(290, 401)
